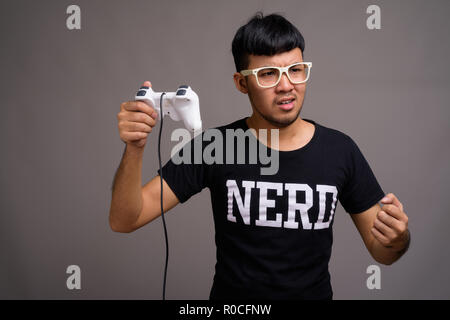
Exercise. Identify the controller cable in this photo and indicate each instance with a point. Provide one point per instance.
(161, 180)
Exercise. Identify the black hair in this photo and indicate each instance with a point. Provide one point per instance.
(264, 35)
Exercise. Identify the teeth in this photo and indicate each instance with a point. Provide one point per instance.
(286, 102)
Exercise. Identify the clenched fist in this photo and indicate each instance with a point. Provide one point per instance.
(391, 224)
(136, 120)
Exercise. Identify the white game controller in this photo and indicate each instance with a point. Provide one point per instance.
(180, 105)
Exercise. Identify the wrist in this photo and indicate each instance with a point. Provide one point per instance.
(133, 150)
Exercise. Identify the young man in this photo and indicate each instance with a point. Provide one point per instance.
(273, 232)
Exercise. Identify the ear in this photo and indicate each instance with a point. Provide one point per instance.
(240, 82)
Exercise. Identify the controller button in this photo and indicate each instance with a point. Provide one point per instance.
(183, 86)
(181, 92)
(141, 93)
(144, 88)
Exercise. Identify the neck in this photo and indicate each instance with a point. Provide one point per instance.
(289, 132)
(290, 137)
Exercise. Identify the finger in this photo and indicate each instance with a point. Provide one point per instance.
(394, 212)
(391, 198)
(384, 229)
(389, 220)
(138, 127)
(380, 237)
(140, 106)
(142, 117)
(135, 116)
(133, 136)
(147, 84)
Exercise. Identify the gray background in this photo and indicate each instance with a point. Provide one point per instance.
(61, 91)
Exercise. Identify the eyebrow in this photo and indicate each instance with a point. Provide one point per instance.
(275, 65)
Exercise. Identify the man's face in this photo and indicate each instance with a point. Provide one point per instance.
(265, 100)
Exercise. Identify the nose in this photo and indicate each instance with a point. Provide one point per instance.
(284, 84)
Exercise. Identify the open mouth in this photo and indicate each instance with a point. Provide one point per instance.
(286, 105)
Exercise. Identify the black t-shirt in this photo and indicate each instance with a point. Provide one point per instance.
(273, 233)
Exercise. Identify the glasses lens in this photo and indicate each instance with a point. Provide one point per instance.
(268, 76)
(299, 72)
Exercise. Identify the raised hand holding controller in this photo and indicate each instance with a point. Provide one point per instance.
(180, 105)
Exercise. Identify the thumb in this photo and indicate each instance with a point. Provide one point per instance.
(391, 198)
(147, 84)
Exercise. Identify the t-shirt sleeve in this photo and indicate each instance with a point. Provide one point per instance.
(361, 190)
(183, 172)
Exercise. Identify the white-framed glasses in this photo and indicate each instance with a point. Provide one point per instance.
(268, 77)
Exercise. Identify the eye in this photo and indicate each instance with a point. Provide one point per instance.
(297, 69)
(268, 73)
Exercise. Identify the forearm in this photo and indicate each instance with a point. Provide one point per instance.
(388, 255)
(126, 201)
